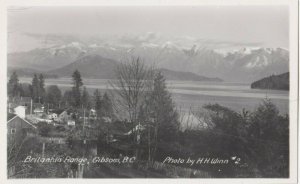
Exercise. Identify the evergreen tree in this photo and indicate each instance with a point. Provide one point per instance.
(35, 88)
(269, 140)
(76, 92)
(53, 95)
(159, 109)
(41, 88)
(97, 101)
(13, 86)
(68, 98)
(25, 90)
(85, 98)
(107, 109)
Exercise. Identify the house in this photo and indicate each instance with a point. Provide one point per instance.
(38, 110)
(17, 129)
(20, 111)
(14, 102)
(53, 116)
(64, 116)
(70, 122)
(93, 114)
(43, 120)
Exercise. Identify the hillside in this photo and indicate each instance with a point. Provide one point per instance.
(91, 66)
(44, 59)
(98, 67)
(279, 82)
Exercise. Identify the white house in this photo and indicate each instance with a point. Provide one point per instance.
(52, 116)
(71, 122)
(38, 110)
(20, 111)
(93, 114)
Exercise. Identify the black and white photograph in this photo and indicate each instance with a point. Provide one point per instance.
(142, 91)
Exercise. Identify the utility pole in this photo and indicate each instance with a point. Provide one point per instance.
(84, 117)
(149, 148)
(43, 150)
(83, 120)
(31, 106)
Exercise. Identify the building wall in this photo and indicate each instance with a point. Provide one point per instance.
(63, 117)
(16, 130)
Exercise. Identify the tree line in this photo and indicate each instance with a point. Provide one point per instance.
(35, 90)
(77, 97)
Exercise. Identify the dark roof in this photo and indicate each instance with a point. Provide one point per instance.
(16, 116)
(10, 116)
(20, 99)
(57, 111)
(38, 105)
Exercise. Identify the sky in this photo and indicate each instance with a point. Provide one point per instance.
(266, 25)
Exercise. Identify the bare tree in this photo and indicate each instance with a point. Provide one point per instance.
(133, 80)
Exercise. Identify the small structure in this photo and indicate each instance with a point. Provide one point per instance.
(39, 109)
(93, 114)
(53, 116)
(14, 102)
(70, 122)
(64, 116)
(20, 111)
(44, 120)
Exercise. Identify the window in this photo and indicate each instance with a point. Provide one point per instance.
(13, 131)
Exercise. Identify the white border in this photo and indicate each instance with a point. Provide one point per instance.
(293, 47)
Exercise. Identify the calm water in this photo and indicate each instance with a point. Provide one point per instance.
(193, 94)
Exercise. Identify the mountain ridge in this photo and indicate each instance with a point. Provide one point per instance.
(96, 66)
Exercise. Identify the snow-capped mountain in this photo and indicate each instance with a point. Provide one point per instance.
(186, 54)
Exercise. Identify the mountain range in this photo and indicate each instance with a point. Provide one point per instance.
(242, 65)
